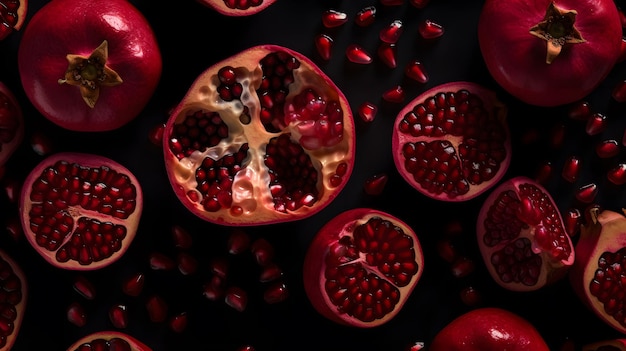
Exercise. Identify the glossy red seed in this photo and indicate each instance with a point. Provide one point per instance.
(596, 124)
(394, 95)
(420, 4)
(587, 193)
(159, 261)
(446, 250)
(178, 323)
(417, 346)
(544, 172)
(270, 272)
(462, 267)
(324, 45)
(219, 266)
(263, 251)
(12, 188)
(617, 174)
(133, 285)
(41, 143)
(187, 263)
(557, 135)
(365, 16)
(572, 221)
(392, 32)
(238, 241)
(387, 54)
(118, 315)
(619, 91)
(375, 184)
(430, 30)
(332, 18)
(182, 238)
(571, 169)
(580, 110)
(13, 226)
(357, 54)
(246, 348)
(236, 298)
(622, 51)
(470, 296)
(84, 287)
(76, 314)
(157, 308)
(415, 70)
(214, 289)
(367, 111)
(155, 135)
(276, 293)
(607, 148)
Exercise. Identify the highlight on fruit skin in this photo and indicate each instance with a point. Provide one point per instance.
(237, 8)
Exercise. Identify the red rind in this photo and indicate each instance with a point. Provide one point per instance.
(135, 344)
(220, 6)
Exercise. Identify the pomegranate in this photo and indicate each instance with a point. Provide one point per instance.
(80, 211)
(11, 124)
(596, 273)
(261, 137)
(80, 69)
(13, 297)
(12, 16)
(606, 345)
(522, 236)
(549, 53)
(452, 142)
(361, 267)
(488, 328)
(108, 341)
(237, 7)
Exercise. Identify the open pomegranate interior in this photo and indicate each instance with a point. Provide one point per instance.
(13, 296)
(12, 16)
(237, 7)
(108, 340)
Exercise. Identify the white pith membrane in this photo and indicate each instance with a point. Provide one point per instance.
(342, 275)
(13, 297)
(523, 252)
(252, 201)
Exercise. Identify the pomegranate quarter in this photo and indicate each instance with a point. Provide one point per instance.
(80, 211)
(452, 142)
(362, 267)
(261, 137)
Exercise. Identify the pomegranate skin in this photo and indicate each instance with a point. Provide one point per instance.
(108, 335)
(517, 60)
(221, 7)
(488, 329)
(133, 53)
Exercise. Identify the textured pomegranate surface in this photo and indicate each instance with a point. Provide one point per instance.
(13, 299)
(12, 16)
(108, 341)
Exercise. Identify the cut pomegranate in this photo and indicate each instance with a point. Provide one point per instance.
(237, 8)
(452, 142)
(274, 143)
(606, 345)
(11, 119)
(13, 298)
(12, 16)
(522, 236)
(108, 340)
(80, 211)
(361, 267)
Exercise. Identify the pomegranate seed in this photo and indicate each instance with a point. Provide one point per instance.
(324, 45)
(430, 30)
(607, 148)
(157, 308)
(462, 267)
(236, 298)
(219, 267)
(84, 287)
(392, 2)
(276, 293)
(415, 71)
(246, 348)
(358, 54)
(470, 296)
(159, 261)
(238, 242)
(418, 346)
(155, 135)
(367, 111)
(263, 251)
(587, 193)
(619, 92)
(572, 221)
(622, 51)
(596, 124)
(420, 4)
(571, 169)
(557, 135)
(544, 172)
(76, 314)
(394, 95)
(13, 226)
(365, 16)
(133, 285)
(12, 189)
(40, 143)
(580, 110)
(375, 184)
(214, 289)
(387, 53)
(617, 174)
(333, 18)
(270, 272)
(391, 33)
(178, 323)
(182, 238)
(118, 316)
(187, 264)
(446, 250)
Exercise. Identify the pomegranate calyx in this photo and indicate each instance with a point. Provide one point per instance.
(90, 73)
(557, 29)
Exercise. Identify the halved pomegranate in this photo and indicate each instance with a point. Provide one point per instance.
(452, 142)
(237, 7)
(80, 211)
(11, 123)
(361, 267)
(261, 137)
(12, 16)
(597, 275)
(606, 345)
(522, 236)
(108, 341)
(13, 297)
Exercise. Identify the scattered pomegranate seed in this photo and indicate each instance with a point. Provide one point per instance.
(12, 188)
(84, 287)
(214, 289)
(246, 348)
(41, 143)
(430, 30)
(571, 169)
(415, 70)
(462, 267)
(178, 323)
(133, 285)
(580, 110)
(263, 251)
(607, 148)
(572, 221)
(470, 296)
(619, 92)
(333, 18)
(420, 4)
(387, 53)
(617, 174)
(276, 293)
(392, 2)
(357, 54)
(544, 172)
(118, 315)
(394, 95)
(182, 237)
(155, 135)
(622, 51)
(587, 193)
(270, 272)
(76, 314)
(236, 298)
(219, 267)
(446, 250)
(238, 242)
(596, 124)
(367, 111)
(392, 32)
(159, 261)
(157, 308)
(187, 263)
(557, 135)
(324, 45)
(365, 16)
(375, 184)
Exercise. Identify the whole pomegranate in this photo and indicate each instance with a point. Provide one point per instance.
(13, 297)
(80, 211)
(522, 237)
(361, 267)
(11, 124)
(596, 275)
(549, 53)
(261, 137)
(108, 340)
(452, 142)
(487, 329)
(12, 16)
(92, 69)
(237, 7)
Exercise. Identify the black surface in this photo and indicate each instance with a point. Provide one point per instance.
(192, 37)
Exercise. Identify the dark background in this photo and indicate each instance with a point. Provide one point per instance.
(192, 37)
